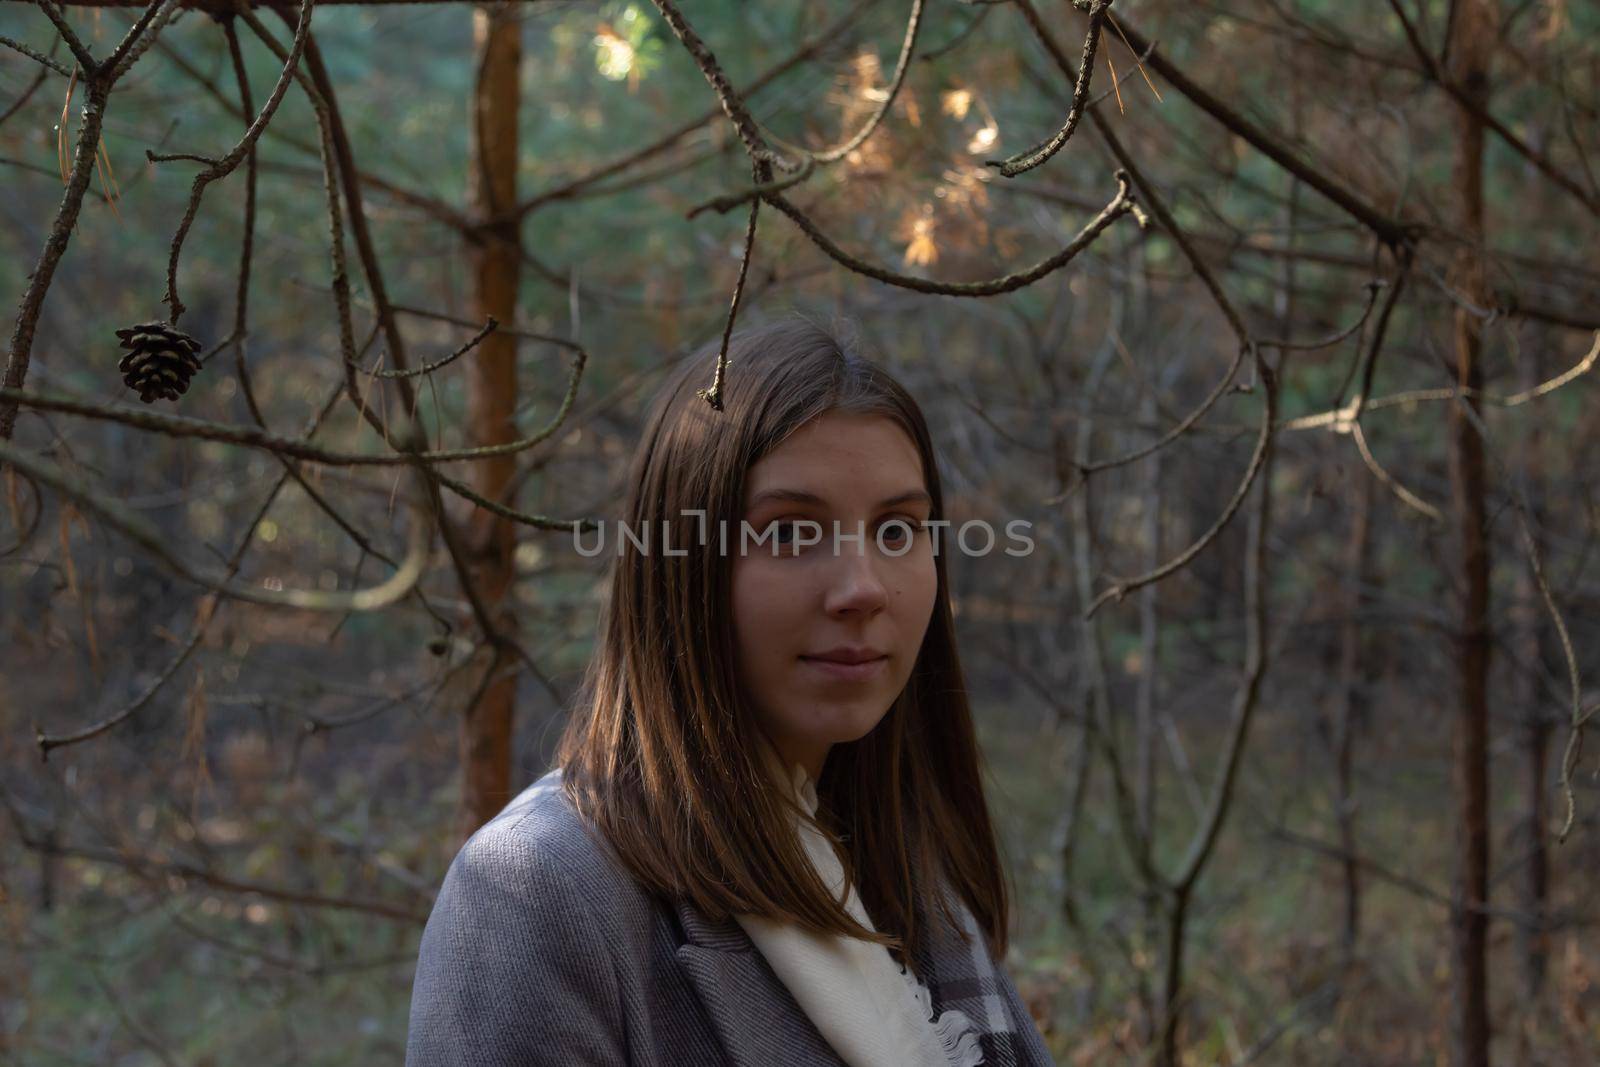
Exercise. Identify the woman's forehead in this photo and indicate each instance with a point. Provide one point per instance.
(838, 455)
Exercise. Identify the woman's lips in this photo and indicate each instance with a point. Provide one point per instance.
(847, 672)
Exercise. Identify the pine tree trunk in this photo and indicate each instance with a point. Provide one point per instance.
(486, 725)
(1351, 707)
(1471, 43)
(1533, 937)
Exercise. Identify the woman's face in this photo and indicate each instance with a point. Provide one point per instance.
(828, 632)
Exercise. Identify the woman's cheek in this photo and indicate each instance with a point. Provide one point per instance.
(919, 571)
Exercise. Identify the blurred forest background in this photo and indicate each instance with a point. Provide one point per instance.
(1280, 714)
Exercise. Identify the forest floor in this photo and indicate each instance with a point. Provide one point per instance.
(131, 969)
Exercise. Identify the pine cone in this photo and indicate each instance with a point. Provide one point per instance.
(160, 361)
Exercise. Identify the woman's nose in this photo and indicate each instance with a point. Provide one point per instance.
(853, 585)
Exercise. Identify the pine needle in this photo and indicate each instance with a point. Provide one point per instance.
(68, 513)
(1137, 61)
(86, 604)
(194, 741)
(11, 499)
(61, 126)
(81, 591)
(1116, 83)
(116, 186)
(364, 400)
(107, 186)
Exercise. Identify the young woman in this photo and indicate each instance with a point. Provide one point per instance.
(766, 842)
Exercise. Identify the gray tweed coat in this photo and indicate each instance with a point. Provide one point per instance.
(542, 950)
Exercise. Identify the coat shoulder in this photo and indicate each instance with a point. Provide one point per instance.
(519, 960)
(541, 817)
(541, 834)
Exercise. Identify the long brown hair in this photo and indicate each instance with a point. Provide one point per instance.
(661, 752)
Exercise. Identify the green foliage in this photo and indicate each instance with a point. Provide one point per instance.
(628, 45)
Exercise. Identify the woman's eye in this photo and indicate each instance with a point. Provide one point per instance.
(784, 531)
(897, 531)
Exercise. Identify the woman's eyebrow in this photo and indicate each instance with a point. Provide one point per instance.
(801, 496)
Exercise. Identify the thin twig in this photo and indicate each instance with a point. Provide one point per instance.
(1373, 289)
(538, 522)
(574, 186)
(1406, 496)
(228, 163)
(1023, 162)
(36, 56)
(252, 437)
(428, 368)
(137, 41)
(1120, 205)
(139, 530)
(1339, 418)
(713, 395)
(1391, 231)
(1569, 756)
(728, 201)
(55, 246)
(732, 105)
(80, 51)
(146, 866)
(1123, 586)
(897, 81)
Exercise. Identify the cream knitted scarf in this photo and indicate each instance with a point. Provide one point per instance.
(873, 1012)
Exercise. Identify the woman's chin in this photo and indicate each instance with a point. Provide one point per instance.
(848, 725)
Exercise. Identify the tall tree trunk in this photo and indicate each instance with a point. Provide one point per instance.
(1533, 937)
(492, 398)
(1471, 43)
(1146, 713)
(1351, 699)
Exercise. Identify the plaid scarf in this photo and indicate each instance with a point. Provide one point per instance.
(962, 977)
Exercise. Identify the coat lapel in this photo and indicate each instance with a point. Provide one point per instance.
(755, 1017)
(759, 1024)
